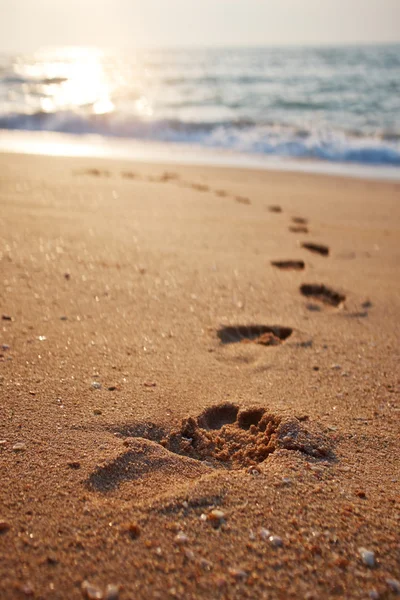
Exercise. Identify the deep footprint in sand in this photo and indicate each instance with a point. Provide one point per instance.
(322, 293)
(316, 248)
(289, 265)
(274, 208)
(258, 334)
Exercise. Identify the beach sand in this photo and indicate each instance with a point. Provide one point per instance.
(180, 418)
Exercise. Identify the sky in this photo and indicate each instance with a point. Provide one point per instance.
(27, 25)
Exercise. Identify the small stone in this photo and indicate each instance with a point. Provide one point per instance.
(374, 595)
(3, 442)
(112, 592)
(63, 318)
(42, 338)
(238, 573)
(189, 554)
(149, 384)
(27, 590)
(5, 347)
(368, 557)
(112, 388)
(264, 533)
(133, 530)
(95, 385)
(19, 447)
(6, 317)
(181, 538)
(275, 541)
(91, 592)
(394, 585)
(4, 526)
(216, 517)
(336, 367)
(97, 411)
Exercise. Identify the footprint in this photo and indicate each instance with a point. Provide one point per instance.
(298, 229)
(258, 334)
(275, 208)
(299, 220)
(227, 436)
(317, 248)
(128, 175)
(294, 265)
(94, 172)
(200, 187)
(322, 293)
(242, 200)
(221, 193)
(222, 436)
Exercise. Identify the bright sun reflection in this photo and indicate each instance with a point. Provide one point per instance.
(71, 79)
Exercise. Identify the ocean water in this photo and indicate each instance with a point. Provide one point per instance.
(334, 104)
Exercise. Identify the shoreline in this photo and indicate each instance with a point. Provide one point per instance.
(90, 146)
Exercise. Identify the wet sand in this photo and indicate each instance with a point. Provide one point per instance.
(198, 382)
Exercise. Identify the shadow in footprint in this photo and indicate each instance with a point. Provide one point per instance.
(316, 248)
(289, 265)
(322, 293)
(258, 334)
(274, 208)
(143, 460)
(299, 220)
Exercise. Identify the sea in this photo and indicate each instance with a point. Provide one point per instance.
(326, 104)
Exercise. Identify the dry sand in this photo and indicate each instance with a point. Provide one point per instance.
(142, 325)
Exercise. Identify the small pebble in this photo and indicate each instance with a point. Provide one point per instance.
(63, 318)
(4, 526)
(368, 557)
(5, 347)
(91, 592)
(336, 367)
(264, 533)
(216, 517)
(95, 385)
(112, 388)
(133, 530)
(19, 447)
(112, 592)
(238, 573)
(394, 585)
(149, 384)
(181, 538)
(6, 317)
(97, 411)
(3, 442)
(275, 541)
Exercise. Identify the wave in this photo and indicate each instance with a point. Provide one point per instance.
(243, 135)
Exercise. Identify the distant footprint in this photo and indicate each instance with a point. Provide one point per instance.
(95, 172)
(258, 334)
(128, 175)
(289, 265)
(316, 248)
(298, 229)
(221, 193)
(275, 208)
(299, 220)
(242, 200)
(323, 294)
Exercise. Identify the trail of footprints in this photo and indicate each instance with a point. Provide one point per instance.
(223, 436)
